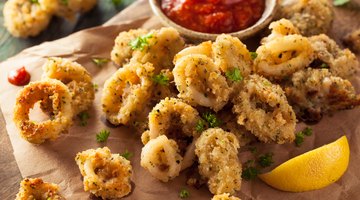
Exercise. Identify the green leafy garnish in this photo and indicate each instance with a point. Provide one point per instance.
(100, 61)
(34, 1)
(200, 126)
(102, 136)
(324, 65)
(65, 2)
(253, 149)
(253, 55)
(249, 172)
(299, 138)
(211, 119)
(184, 194)
(116, 2)
(307, 131)
(161, 79)
(96, 87)
(83, 116)
(127, 154)
(340, 2)
(234, 75)
(265, 160)
(140, 42)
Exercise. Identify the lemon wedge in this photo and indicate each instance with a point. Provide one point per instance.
(312, 170)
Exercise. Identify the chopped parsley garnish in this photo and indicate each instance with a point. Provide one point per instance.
(184, 193)
(200, 125)
(161, 79)
(116, 2)
(140, 42)
(324, 65)
(34, 1)
(95, 86)
(65, 2)
(299, 138)
(265, 160)
(100, 61)
(127, 154)
(340, 2)
(307, 131)
(253, 149)
(253, 55)
(102, 136)
(83, 116)
(234, 75)
(211, 119)
(250, 172)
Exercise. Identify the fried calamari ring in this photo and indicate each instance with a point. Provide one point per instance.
(69, 8)
(282, 56)
(200, 82)
(280, 28)
(314, 92)
(36, 188)
(22, 18)
(225, 196)
(161, 47)
(218, 160)
(105, 175)
(342, 62)
(122, 51)
(76, 78)
(126, 92)
(160, 156)
(60, 98)
(263, 109)
(204, 48)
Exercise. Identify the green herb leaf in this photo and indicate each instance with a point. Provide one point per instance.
(211, 120)
(253, 55)
(184, 193)
(100, 61)
(102, 136)
(299, 139)
(324, 65)
(116, 2)
(96, 87)
(252, 149)
(83, 116)
(308, 131)
(200, 126)
(161, 79)
(127, 154)
(234, 75)
(340, 2)
(65, 2)
(140, 42)
(265, 160)
(34, 1)
(250, 173)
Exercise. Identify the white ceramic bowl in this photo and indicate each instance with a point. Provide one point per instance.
(267, 16)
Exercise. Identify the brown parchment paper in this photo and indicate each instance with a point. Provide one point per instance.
(54, 161)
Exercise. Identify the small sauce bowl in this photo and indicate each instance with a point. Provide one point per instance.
(267, 16)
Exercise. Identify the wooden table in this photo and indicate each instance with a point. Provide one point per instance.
(9, 173)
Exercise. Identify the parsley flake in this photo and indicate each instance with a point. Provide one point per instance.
(252, 150)
(161, 79)
(184, 193)
(211, 119)
(253, 55)
(324, 65)
(102, 136)
(299, 139)
(100, 61)
(265, 160)
(65, 2)
(34, 1)
(83, 116)
(200, 126)
(127, 154)
(140, 42)
(234, 75)
(250, 173)
(308, 131)
(116, 2)
(96, 87)
(340, 2)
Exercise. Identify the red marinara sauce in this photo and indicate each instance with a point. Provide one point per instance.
(19, 77)
(214, 16)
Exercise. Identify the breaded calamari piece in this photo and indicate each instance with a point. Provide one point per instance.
(263, 109)
(55, 94)
(24, 18)
(311, 17)
(36, 188)
(279, 28)
(105, 175)
(225, 196)
(341, 62)
(217, 151)
(314, 92)
(76, 78)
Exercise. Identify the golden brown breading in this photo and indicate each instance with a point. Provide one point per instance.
(353, 40)
(311, 17)
(225, 196)
(49, 90)
(263, 109)
(76, 78)
(341, 62)
(218, 160)
(37, 189)
(279, 28)
(105, 175)
(69, 8)
(314, 92)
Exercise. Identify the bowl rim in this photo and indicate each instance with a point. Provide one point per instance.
(267, 16)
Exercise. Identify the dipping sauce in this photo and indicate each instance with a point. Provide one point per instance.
(19, 77)
(214, 16)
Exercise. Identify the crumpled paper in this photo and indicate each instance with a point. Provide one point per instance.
(54, 161)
